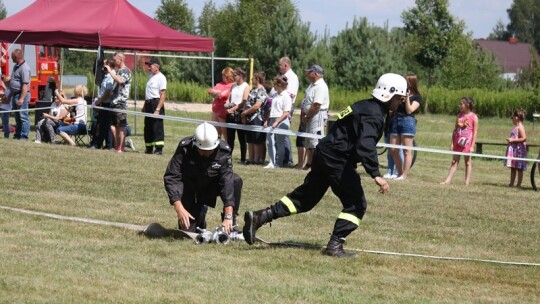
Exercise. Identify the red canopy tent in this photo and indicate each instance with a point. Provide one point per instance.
(91, 23)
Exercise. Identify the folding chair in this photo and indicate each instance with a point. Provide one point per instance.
(83, 137)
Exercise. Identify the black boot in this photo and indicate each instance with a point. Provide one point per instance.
(149, 150)
(253, 220)
(335, 248)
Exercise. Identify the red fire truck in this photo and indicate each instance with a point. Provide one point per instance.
(43, 62)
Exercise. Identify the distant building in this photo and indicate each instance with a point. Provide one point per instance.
(512, 56)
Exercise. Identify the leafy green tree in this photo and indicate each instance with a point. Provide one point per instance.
(285, 35)
(176, 15)
(264, 30)
(468, 66)
(321, 54)
(499, 32)
(524, 18)
(530, 77)
(431, 32)
(3, 10)
(362, 53)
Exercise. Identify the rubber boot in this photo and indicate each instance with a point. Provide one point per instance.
(253, 220)
(335, 248)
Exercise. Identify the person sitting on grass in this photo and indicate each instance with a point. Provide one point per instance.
(78, 126)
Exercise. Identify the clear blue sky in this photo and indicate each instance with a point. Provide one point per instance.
(480, 16)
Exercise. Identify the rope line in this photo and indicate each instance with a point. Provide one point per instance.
(141, 228)
(291, 133)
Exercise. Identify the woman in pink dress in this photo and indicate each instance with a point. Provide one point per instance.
(220, 92)
(463, 138)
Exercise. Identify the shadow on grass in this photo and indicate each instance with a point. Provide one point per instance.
(288, 244)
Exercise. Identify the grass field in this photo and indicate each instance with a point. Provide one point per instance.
(44, 260)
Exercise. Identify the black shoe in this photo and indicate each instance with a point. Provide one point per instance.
(335, 248)
(253, 220)
(158, 152)
(149, 151)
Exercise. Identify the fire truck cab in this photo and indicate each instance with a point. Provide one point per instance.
(43, 62)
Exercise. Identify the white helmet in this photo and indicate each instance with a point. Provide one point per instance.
(388, 85)
(206, 137)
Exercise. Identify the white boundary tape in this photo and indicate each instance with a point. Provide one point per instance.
(291, 133)
(310, 135)
(141, 228)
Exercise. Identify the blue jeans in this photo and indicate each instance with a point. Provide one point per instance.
(5, 124)
(276, 144)
(22, 118)
(403, 125)
(73, 129)
(392, 170)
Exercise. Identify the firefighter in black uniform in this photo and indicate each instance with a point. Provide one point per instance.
(352, 139)
(199, 171)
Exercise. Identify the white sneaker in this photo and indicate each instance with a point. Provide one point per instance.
(130, 144)
(400, 178)
(37, 141)
(393, 176)
(269, 166)
(387, 176)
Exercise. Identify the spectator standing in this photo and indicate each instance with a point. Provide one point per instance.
(19, 87)
(285, 68)
(79, 122)
(235, 106)
(463, 138)
(352, 140)
(220, 94)
(517, 148)
(252, 115)
(200, 170)
(403, 127)
(103, 129)
(5, 107)
(156, 92)
(278, 118)
(120, 94)
(313, 115)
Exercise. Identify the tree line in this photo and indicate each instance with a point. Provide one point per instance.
(432, 44)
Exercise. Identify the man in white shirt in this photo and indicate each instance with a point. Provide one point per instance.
(314, 108)
(285, 68)
(156, 92)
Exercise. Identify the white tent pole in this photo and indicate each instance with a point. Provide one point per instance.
(213, 81)
(135, 88)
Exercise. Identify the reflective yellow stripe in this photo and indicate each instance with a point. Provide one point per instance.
(345, 112)
(287, 201)
(349, 217)
(157, 143)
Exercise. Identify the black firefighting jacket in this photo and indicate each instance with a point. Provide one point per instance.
(354, 136)
(191, 178)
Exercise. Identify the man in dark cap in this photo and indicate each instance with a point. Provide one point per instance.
(314, 110)
(156, 92)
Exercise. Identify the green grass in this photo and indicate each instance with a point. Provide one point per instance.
(53, 261)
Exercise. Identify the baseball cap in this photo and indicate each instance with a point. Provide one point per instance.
(153, 60)
(315, 68)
